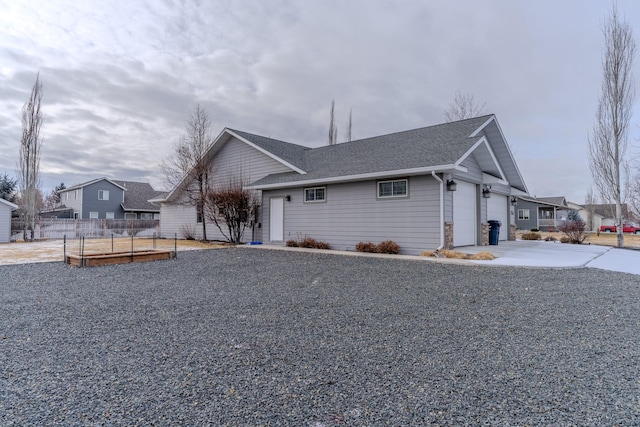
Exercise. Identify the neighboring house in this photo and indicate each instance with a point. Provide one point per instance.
(542, 213)
(104, 198)
(426, 188)
(6, 208)
(591, 218)
(607, 214)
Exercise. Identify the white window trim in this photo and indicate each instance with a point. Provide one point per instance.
(109, 215)
(392, 196)
(523, 218)
(94, 215)
(135, 216)
(143, 214)
(103, 192)
(323, 200)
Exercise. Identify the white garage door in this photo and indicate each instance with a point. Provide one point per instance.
(464, 214)
(498, 208)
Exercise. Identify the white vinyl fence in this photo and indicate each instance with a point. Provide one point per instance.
(58, 228)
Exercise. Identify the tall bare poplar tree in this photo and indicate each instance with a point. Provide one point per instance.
(609, 138)
(349, 126)
(187, 165)
(464, 106)
(29, 161)
(333, 129)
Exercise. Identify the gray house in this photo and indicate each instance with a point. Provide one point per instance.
(6, 208)
(542, 213)
(104, 198)
(428, 188)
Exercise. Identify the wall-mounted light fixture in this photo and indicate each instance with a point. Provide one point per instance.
(287, 198)
(486, 191)
(514, 200)
(451, 185)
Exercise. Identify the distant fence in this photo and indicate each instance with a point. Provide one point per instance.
(58, 228)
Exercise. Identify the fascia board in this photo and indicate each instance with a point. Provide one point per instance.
(483, 141)
(360, 177)
(482, 126)
(13, 206)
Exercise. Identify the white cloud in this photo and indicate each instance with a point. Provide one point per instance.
(120, 77)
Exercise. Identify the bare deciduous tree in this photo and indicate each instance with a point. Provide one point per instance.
(333, 129)
(464, 106)
(608, 139)
(28, 168)
(590, 200)
(349, 126)
(188, 166)
(231, 207)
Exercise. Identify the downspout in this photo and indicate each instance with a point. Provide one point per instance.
(437, 178)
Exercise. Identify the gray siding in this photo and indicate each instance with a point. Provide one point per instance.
(352, 213)
(235, 159)
(533, 215)
(73, 199)
(91, 203)
(5, 223)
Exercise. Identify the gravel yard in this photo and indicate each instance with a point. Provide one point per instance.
(260, 337)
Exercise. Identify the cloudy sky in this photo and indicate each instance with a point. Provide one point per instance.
(121, 76)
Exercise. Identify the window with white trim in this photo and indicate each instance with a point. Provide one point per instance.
(110, 215)
(130, 215)
(146, 215)
(523, 214)
(393, 188)
(103, 194)
(315, 194)
(93, 215)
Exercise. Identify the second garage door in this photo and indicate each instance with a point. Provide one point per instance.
(464, 214)
(497, 208)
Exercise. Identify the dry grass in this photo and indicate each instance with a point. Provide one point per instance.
(484, 255)
(604, 239)
(53, 250)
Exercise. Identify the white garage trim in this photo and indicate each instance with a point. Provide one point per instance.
(464, 214)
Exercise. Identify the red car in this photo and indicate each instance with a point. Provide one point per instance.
(626, 228)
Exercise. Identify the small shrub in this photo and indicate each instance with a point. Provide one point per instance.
(574, 231)
(322, 245)
(188, 232)
(550, 239)
(531, 236)
(564, 239)
(369, 247)
(307, 242)
(388, 247)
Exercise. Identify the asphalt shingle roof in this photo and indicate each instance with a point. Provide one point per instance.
(437, 145)
(137, 196)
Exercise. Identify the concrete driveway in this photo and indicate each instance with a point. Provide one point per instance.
(527, 253)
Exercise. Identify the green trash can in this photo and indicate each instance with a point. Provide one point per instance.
(494, 231)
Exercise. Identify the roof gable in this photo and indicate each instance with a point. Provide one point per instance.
(93, 181)
(289, 155)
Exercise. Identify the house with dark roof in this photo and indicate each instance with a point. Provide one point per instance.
(427, 188)
(541, 213)
(104, 198)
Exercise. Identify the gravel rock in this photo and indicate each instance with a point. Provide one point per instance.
(258, 337)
